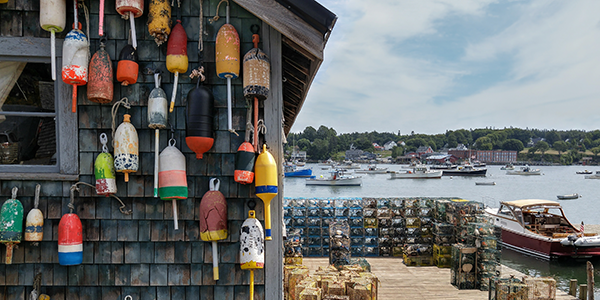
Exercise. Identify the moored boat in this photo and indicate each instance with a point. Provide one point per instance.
(486, 183)
(446, 166)
(418, 172)
(593, 176)
(293, 171)
(526, 170)
(584, 172)
(540, 228)
(508, 166)
(372, 169)
(568, 197)
(337, 178)
(466, 170)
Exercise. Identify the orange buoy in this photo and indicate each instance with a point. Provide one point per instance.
(199, 119)
(177, 59)
(244, 164)
(100, 85)
(128, 68)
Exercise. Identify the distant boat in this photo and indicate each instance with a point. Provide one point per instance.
(584, 172)
(594, 176)
(418, 172)
(338, 178)
(485, 183)
(442, 167)
(466, 170)
(526, 170)
(293, 171)
(508, 166)
(568, 197)
(372, 169)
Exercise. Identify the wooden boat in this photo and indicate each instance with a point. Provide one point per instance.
(540, 228)
(485, 183)
(584, 172)
(466, 170)
(372, 169)
(337, 178)
(568, 197)
(418, 172)
(526, 170)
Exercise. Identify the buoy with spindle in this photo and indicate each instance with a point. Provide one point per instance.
(177, 59)
(75, 59)
(213, 220)
(244, 164)
(104, 170)
(11, 224)
(127, 67)
(157, 119)
(126, 148)
(53, 16)
(70, 237)
(130, 9)
(257, 77)
(34, 223)
(172, 180)
(159, 20)
(199, 133)
(100, 84)
(252, 245)
(265, 170)
(227, 50)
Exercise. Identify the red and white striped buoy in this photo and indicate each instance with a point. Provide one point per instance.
(70, 240)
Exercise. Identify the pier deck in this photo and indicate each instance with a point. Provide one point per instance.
(399, 282)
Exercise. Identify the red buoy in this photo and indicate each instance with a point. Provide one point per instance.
(199, 130)
(244, 164)
(70, 240)
(128, 68)
(100, 82)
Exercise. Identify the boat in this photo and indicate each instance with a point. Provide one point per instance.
(540, 228)
(485, 183)
(338, 178)
(526, 170)
(372, 169)
(348, 165)
(568, 197)
(445, 166)
(418, 172)
(465, 170)
(584, 172)
(508, 166)
(593, 176)
(293, 171)
(479, 164)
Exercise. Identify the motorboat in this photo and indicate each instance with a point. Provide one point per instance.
(465, 170)
(508, 166)
(293, 171)
(372, 169)
(526, 170)
(486, 183)
(479, 164)
(593, 176)
(347, 165)
(540, 228)
(338, 178)
(584, 172)
(446, 166)
(418, 172)
(568, 197)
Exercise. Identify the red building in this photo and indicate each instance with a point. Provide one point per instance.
(487, 156)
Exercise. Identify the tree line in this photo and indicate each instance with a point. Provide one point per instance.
(324, 143)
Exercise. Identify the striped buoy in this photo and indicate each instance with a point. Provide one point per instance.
(252, 245)
(127, 67)
(104, 170)
(172, 180)
(244, 164)
(257, 72)
(266, 184)
(75, 57)
(11, 224)
(177, 59)
(213, 220)
(70, 240)
(35, 221)
(157, 119)
(130, 9)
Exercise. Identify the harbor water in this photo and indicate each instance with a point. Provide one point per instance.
(555, 180)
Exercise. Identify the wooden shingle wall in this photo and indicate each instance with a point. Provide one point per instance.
(139, 254)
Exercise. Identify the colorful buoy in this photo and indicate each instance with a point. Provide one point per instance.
(128, 68)
(126, 148)
(70, 240)
(172, 179)
(157, 119)
(199, 120)
(100, 85)
(53, 16)
(34, 223)
(213, 220)
(11, 224)
(177, 59)
(75, 57)
(265, 170)
(159, 20)
(252, 246)
(244, 164)
(130, 9)
(104, 170)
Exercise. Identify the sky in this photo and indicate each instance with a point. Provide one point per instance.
(430, 66)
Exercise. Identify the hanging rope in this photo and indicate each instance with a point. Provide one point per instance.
(114, 110)
(75, 188)
(86, 13)
(198, 73)
(201, 29)
(216, 17)
(284, 139)
(260, 127)
(249, 126)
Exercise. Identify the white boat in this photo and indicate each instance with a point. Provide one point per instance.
(526, 170)
(508, 167)
(485, 183)
(568, 197)
(372, 169)
(418, 172)
(584, 172)
(593, 176)
(540, 228)
(337, 178)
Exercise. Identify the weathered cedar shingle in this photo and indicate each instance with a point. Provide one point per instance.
(90, 275)
(140, 275)
(132, 253)
(122, 275)
(106, 275)
(158, 275)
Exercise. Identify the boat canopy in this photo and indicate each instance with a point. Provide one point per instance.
(531, 202)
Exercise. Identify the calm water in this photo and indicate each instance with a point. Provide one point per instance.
(556, 180)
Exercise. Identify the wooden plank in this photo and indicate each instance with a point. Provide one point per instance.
(163, 293)
(47, 271)
(159, 231)
(192, 230)
(103, 207)
(192, 292)
(198, 252)
(15, 293)
(144, 230)
(183, 252)
(60, 275)
(106, 275)
(108, 231)
(26, 274)
(76, 275)
(139, 208)
(88, 252)
(164, 253)
(207, 292)
(128, 230)
(122, 275)
(147, 252)
(158, 275)
(102, 253)
(224, 292)
(154, 209)
(90, 275)
(2, 275)
(72, 293)
(89, 293)
(117, 252)
(179, 274)
(140, 275)
(132, 253)
(227, 274)
(91, 230)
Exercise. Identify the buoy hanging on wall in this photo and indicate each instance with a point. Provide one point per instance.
(159, 20)
(127, 67)
(104, 170)
(34, 223)
(126, 148)
(252, 245)
(130, 9)
(75, 59)
(213, 220)
(266, 188)
(172, 178)
(11, 224)
(53, 16)
(199, 120)
(244, 164)
(100, 85)
(157, 119)
(70, 236)
(177, 59)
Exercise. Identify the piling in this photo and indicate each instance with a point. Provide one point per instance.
(573, 287)
(582, 291)
(590, 280)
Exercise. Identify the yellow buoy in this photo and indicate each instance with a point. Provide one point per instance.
(265, 174)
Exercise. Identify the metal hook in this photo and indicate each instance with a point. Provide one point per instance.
(104, 140)
(128, 297)
(14, 192)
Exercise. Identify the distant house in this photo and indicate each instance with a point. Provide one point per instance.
(377, 147)
(353, 154)
(389, 145)
(461, 147)
(424, 150)
(299, 155)
(442, 158)
(534, 141)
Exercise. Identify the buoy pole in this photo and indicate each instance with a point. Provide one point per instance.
(229, 118)
(156, 154)
(53, 52)
(255, 124)
(101, 19)
(133, 35)
(215, 259)
(176, 79)
(175, 222)
(75, 25)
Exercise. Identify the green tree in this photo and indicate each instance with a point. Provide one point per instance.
(513, 144)
(566, 159)
(319, 150)
(595, 150)
(552, 136)
(309, 133)
(560, 146)
(542, 146)
(364, 144)
(483, 143)
(397, 151)
(303, 144)
(452, 140)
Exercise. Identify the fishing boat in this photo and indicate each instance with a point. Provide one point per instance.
(593, 176)
(526, 170)
(372, 169)
(347, 165)
(446, 166)
(540, 228)
(584, 172)
(293, 171)
(418, 172)
(465, 170)
(508, 166)
(486, 183)
(338, 178)
(568, 197)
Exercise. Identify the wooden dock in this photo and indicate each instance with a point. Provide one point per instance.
(399, 282)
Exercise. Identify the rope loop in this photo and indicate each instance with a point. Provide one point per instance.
(14, 192)
(198, 73)
(115, 108)
(216, 17)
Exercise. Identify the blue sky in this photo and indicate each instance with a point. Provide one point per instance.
(434, 65)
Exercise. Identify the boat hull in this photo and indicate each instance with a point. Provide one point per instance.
(336, 182)
(299, 173)
(523, 173)
(544, 247)
(432, 175)
(480, 172)
(382, 171)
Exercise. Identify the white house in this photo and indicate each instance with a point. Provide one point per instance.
(389, 145)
